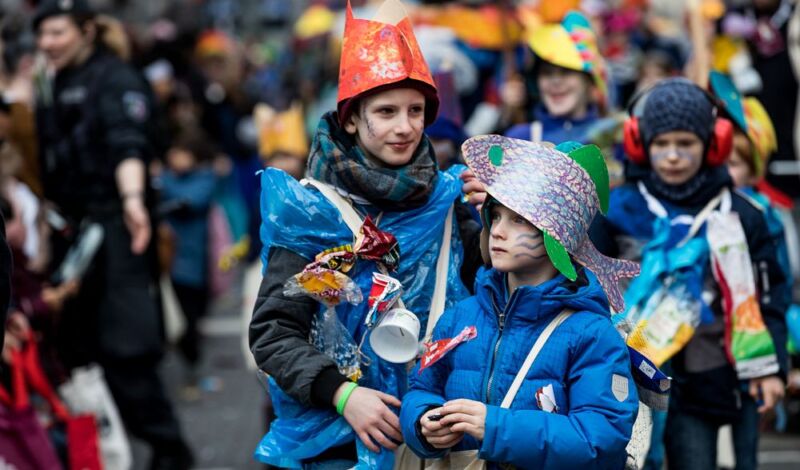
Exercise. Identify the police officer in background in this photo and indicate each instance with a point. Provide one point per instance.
(93, 119)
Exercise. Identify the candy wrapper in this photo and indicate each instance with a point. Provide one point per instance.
(666, 323)
(376, 245)
(384, 294)
(747, 341)
(328, 335)
(326, 286)
(652, 384)
(341, 258)
(436, 350)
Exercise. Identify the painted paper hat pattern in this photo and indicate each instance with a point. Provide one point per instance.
(558, 190)
(749, 116)
(572, 44)
(380, 52)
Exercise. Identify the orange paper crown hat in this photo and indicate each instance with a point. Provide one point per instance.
(381, 52)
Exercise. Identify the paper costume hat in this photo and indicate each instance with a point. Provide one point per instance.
(282, 132)
(749, 116)
(558, 190)
(380, 52)
(571, 44)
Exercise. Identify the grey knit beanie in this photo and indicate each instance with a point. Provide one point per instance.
(676, 104)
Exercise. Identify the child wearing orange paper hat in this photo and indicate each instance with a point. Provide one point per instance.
(372, 180)
(570, 79)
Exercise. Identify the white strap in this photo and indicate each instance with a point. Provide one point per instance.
(442, 267)
(653, 204)
(537, 347)
(354, 222)
(349, 215)
(723, 199)
(536, 131)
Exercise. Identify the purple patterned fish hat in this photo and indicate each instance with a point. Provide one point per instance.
(559, 191)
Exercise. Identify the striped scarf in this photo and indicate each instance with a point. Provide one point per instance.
(336, 159)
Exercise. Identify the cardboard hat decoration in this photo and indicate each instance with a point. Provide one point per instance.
(380, 52)
(558, 190)
(282, 132)
(214, 43)
(572, 44)
(749, 116)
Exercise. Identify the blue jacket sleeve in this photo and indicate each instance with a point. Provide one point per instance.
(426, 391)
(603, 406)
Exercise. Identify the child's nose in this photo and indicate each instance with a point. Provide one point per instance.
(403, 124)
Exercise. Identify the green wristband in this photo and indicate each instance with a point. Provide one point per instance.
(345, 396)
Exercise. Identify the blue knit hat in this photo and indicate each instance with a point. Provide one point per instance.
(676, 104)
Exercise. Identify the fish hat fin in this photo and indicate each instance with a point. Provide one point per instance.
(559, 257)
(590, 158)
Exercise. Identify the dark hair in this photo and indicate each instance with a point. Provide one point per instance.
(6, 209)
(17, 42)
(195, 142)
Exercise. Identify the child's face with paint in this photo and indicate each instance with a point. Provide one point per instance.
(389, 125)
(676, 156)
(565, 92)
(515, 245)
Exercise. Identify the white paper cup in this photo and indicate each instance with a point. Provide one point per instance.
(396, 337)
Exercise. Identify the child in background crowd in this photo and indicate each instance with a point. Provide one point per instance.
(677, 147)
(570, 81)
(577, 403)
(187, 188)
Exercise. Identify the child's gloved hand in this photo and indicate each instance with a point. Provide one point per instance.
(438, 435)
(465, 416)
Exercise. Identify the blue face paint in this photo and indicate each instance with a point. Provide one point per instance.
(666, 153)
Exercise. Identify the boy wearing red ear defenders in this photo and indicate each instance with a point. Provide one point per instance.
(676, 148)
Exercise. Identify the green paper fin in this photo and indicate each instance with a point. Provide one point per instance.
(559, 257)
(590, 158)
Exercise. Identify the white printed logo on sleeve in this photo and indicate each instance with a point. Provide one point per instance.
(619, 386)
(546, 399)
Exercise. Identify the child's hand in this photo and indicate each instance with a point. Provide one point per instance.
(437, 435)
(474, 189)
(465, 416)
(368, 412)
(768, 391)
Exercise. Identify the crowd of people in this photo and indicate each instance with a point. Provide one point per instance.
(581, 215)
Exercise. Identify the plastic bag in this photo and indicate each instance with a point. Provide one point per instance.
(666, 323)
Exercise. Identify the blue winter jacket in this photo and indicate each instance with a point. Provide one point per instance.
(557, 129)
(582, 359)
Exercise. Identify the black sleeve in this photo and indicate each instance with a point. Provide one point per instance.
(279, 333)
(125, 109)
(5, 277)
(767, 271)
(469, 230)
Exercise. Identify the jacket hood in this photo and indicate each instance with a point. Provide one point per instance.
(546, 299)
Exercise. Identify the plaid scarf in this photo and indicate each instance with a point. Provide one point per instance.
(336, 159)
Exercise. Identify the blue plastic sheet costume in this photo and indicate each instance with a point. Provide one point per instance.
(300, 219)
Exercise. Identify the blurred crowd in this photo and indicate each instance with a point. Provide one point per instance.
(216, 90)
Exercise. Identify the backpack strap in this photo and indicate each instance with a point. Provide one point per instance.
(537, 347)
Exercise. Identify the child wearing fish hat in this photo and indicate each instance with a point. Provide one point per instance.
(336, 406)
(706, 247)
(576, 404)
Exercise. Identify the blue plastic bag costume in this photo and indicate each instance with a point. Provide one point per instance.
(300, 219)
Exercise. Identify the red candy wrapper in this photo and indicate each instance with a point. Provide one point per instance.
(376, 245)
(437, 350)
(384, 294)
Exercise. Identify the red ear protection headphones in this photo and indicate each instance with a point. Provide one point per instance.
(719, 146)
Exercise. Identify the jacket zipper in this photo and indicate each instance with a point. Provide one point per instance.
(501, 322)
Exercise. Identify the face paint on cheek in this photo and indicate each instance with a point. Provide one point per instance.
(664, 154)
(521, 243)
